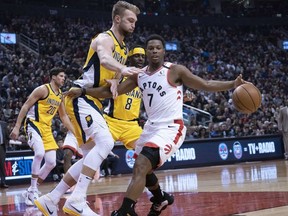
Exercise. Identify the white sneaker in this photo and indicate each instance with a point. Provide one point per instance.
(46, 206)
(30, 196)
(78, 207)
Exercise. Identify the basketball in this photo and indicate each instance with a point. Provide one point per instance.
(246, 98)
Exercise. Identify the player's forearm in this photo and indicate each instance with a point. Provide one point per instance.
(67, 123)
(21, 116)
(99, 92)
(214, 85)
(111, 64)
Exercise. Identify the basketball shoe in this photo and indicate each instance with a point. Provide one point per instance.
(46, 206)
(30, 196)
(158, 207)
(78, 207)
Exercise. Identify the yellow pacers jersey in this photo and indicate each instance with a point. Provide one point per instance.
(126, 106)
(45, 109)
(95, 74)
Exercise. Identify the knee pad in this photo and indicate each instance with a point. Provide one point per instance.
(152, 154)
(39, 153)
(50, 161)
(151, 180)
(104, 148)
(98, 153)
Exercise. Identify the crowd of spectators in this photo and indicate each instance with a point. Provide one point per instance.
(212, 52)
(195, 8)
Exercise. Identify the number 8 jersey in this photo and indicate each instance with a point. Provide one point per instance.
(45, 109)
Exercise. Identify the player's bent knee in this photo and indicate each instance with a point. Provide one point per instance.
(39, 155)
(106, 148)
(152, 154)
(50, 164)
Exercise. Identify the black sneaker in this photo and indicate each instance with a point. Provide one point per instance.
(157, 208)
(118, 213)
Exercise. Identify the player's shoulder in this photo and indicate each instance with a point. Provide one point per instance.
(40, 92)
(42, 87)
(102, 37)
(173, 67)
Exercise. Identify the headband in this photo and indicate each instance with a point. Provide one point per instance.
(137, 50)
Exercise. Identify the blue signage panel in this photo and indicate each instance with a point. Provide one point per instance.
(194, 153)
(207, 152)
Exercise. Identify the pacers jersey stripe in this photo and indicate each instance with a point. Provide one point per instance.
(78, 119)
(36, 112)
(28, 122)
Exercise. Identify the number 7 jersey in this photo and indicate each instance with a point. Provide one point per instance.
(163, 102)
(45, 109)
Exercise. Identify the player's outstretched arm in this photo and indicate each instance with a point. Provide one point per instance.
(181, 74)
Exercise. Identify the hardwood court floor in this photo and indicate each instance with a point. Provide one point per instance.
(245, 189)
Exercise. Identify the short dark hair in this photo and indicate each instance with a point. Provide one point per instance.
(155, 37)
(55, 71)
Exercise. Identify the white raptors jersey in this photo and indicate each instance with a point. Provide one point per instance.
(163, 102)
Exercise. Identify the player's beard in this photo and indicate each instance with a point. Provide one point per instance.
(126, 33)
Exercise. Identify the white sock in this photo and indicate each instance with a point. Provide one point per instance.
(33, 186)
(81, 186)
(58, 191)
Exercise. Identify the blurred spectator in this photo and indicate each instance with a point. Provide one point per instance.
(203, 133)
(283, 127)
(109, 165)
(4, 139)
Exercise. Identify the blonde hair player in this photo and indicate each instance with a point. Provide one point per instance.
(106, 59)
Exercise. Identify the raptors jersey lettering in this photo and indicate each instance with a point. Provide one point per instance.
(126, 106)
(45, 109)
(94, 73)
(163, 102)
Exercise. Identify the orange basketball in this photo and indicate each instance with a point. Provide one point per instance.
(246, 98)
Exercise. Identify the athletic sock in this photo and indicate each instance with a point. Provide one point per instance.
(58, 191)
(33, 186)
(81, 186)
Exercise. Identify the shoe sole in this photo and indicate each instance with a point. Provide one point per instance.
(41, 208)
(27, 200)
(164, 207)
(70, 211)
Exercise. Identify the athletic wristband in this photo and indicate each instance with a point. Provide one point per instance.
(83, 91)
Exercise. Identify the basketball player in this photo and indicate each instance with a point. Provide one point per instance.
(106, 59)
(39, 109)
(161, 84)
(122, 112)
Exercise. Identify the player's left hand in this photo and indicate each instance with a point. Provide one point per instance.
(113, 87)
(73, 92)
(239, 81)
(128, 71)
